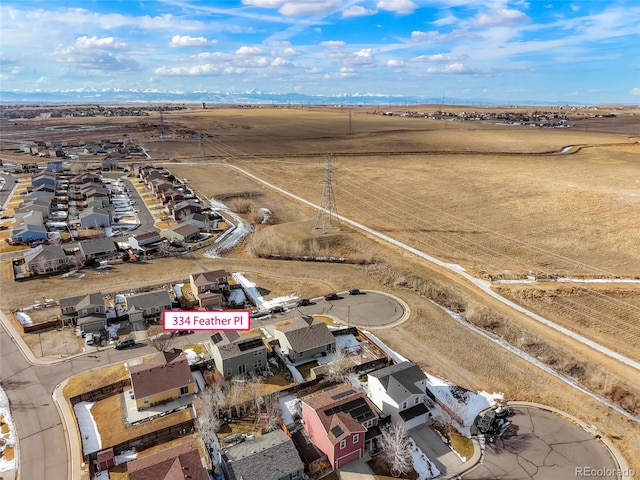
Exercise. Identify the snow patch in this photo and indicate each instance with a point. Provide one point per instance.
(24, 319)
(424, 467)
(91, 441)
(6, 439)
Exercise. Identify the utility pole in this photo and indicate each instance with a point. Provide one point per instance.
(327, 215)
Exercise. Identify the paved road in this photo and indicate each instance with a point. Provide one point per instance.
(545, 447)
(369, 310)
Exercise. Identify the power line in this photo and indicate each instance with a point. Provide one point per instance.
(327, 214)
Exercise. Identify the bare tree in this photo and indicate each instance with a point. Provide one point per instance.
(272, 411)
(208, 421)
(252, 385)
(338, 366)
(395, 449)
(159, 339)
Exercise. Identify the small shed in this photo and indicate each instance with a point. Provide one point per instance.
(106, 459)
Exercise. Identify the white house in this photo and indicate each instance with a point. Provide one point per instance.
(400, 391)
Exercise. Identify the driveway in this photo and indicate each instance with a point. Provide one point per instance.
(436, 450)
(544, 446)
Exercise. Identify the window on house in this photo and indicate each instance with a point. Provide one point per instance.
(343, 444)
(404, 405)
(356, 438)
(146, 399)
(242, 369)
(417, 401)
(184, 390)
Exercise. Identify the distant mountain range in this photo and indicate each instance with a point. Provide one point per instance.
(254, 97)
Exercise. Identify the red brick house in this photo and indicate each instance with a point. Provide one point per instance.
(341, 422)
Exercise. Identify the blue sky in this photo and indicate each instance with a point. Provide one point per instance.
(580, 51)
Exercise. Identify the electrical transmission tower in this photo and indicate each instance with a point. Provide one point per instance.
(327, 215)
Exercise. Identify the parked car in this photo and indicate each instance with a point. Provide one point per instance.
(125, 343)
(355, 291)
(331, 296)
(277, 309)
(257, 314)
(303, 302)
(89, 337)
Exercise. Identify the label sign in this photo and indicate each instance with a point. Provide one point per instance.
(206, 320)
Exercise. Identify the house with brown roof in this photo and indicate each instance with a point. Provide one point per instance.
(341, 422)
(304, 339)
(176, 463)
(181, 234)
(183, 209)
(235, 354)
(163, 378)
(208, 287)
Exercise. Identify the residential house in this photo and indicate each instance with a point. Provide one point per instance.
(143, 240)
(87, 311)
(183, 209)
(304, 339)
(164, 377)
(208, 287)
(28, 228)
(197, 220)
(181, 234)
(147, 306)
(98, 249)
(94, 217)
(172, 196)
(271, 456)
(234, 354)
(400, 392)
(160, 185)
(44, 178)
(342, 422)
(36, 204)
(110, 163)
(180, 462)
(55, 166)
(46, 259)
(40, 191)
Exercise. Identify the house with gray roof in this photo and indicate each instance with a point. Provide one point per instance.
(98, 249)
(79, 306)
(400, 391)
(46, 259)
(271, 456)
(304, 339)
(94, 217)
(234, 354)
(147, 306)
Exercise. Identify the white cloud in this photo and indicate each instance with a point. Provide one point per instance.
(395, 63)
(280, 62)
(332, 43)
(401, 7)
(436, 58)
(635, 92)
(206, 69)
(187, 41)
(418, 36)
(364, 56)
(289, 52)
(448, 20)
(358, 11)
(347, 72)
(309, 7)
(104, 43)
(246, 50)
(42, 80)
(456, 68)
(501, 18)
(264, 3)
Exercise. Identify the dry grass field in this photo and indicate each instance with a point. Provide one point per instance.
(498, 200)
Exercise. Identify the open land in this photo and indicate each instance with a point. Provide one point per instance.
(500, 200)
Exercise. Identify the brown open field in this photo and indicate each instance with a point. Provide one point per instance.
(495, 199)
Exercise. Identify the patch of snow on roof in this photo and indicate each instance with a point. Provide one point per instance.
(24, 319)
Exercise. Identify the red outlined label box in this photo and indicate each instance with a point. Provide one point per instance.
(205, 320)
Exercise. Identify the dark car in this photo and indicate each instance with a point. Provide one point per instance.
(277, 309)
(487, 422)
(303, 302)
(355, 291)
(125, 343)
(331, 296)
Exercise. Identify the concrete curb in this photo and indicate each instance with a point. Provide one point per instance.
(468, 465)
(74, 446)
(622, 465)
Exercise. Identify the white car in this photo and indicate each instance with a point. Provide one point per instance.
(89, 338)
